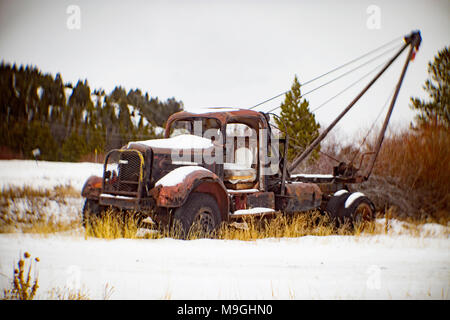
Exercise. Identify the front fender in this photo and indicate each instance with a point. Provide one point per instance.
(92, 187)
(174, 188)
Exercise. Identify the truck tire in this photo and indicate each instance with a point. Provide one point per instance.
(91, 211)
(361, 210)
(198, 217)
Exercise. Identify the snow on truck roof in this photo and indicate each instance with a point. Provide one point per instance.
(183, 141)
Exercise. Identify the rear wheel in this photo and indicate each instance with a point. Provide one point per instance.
(360, 210)
(199, 217)
(353, 208)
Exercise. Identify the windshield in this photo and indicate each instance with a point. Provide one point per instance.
(202, 127)
(180, 127)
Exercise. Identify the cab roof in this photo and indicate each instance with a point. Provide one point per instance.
(223, 116)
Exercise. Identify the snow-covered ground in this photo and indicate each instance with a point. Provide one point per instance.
(392, 266)
(333, 267)
(46, 174)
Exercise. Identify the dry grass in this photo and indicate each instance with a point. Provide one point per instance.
(82, 293)
(27, 209)
(49, 227)
(114, 226)
(311, 223)
(68, 294)
(59, 192)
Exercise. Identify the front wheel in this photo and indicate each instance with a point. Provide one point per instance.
(199, 217)
(91, 211)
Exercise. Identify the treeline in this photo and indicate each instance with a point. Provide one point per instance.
(66, 122)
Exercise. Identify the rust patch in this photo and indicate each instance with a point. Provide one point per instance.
(261, 200)
(299, 197)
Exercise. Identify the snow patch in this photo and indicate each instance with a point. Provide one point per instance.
(116, 107)
(105, 195)
(68, 93)
(353, 197)
(340, 192)
(177, 175)
(307, 175)
(242, 190)
(252, 211)
(158, 130)
(40, 92)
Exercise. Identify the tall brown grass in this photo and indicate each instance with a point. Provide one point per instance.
(412, 173)
(113, 226)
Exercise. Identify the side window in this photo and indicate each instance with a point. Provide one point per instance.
(242, 145)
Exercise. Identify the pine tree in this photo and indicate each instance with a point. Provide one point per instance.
(301, 124)
(435, 111)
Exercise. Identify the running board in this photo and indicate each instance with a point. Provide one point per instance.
(253, 212)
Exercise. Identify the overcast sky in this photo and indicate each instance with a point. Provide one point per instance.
(226, 53)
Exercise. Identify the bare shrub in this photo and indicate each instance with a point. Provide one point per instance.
(23, 286)
(411, 174)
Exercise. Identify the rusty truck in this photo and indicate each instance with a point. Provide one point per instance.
(224, 164)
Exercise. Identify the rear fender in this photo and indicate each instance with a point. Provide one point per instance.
(92, 187)
(198, 180)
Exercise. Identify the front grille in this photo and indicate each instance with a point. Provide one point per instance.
(123, 172)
